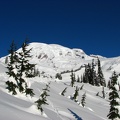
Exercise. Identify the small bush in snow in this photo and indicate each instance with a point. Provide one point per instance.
(59, 76)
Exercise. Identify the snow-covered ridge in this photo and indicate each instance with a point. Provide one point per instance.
(56, 58)
(60, 57)
(56, 50)
(53, 58)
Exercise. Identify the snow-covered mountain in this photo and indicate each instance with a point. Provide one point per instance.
(57, 58)
(51, 59)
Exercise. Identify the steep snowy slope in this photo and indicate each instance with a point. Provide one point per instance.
(20, 107)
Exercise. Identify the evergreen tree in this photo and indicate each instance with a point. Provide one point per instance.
(93, 74)
(36, 72)
(95, 79)
(109, 84)
(11, 87)
(76, 94)
(113, 97)
(59, 76)
(82, 78)
(29, 91)
(100, 76)
(19, 69)
(12, 83)
(83, 99)
(72, 78)
(6, 60)
(25, 69)
(89, 75)
(81, 87)
(43, 98)
(85, 77)
(103, 92)
(119, 86)
(78, 79)
(64, 91)
(97, 94)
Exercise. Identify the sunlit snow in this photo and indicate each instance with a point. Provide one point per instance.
(52, 59)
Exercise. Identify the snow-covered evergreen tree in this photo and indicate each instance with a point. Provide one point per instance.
(76, 94)
(89, 75)
(72, 78)
(103, 92)
(36, 72)
(64, 91)
(93, 74)
(100, 76)
(12, 83)
(114, 99)
(25, 69)
(43, 98)
(78, 79)
(19, 69)
(6, 60)
(81, 87)
(85, 77)
(83, 99)
(109, 84)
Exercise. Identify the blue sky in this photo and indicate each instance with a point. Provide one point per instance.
(92, 25)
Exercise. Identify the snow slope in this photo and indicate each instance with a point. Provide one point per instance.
(52, 59)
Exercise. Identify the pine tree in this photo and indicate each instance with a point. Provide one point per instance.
(109, 84)
(11, 87)
(83, 99)
(95, 79)
(81, 78)
(76, 94)
(29, 91)
(43, 98)
(72, 78)
(36, 72)
(25, 69)
(97, 94)
(100, 76)
(6, 60)
(103, 92)
(113, 97)
(19, 69)
(78, 79)
(81, 87)
(64, 91)
(119, 86)
(89, 75)
(12, 83)
(85, 77)
(93, 73)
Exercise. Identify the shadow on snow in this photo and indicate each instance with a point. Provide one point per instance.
(75, 115)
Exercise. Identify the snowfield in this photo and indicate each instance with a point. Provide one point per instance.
(49, 60)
